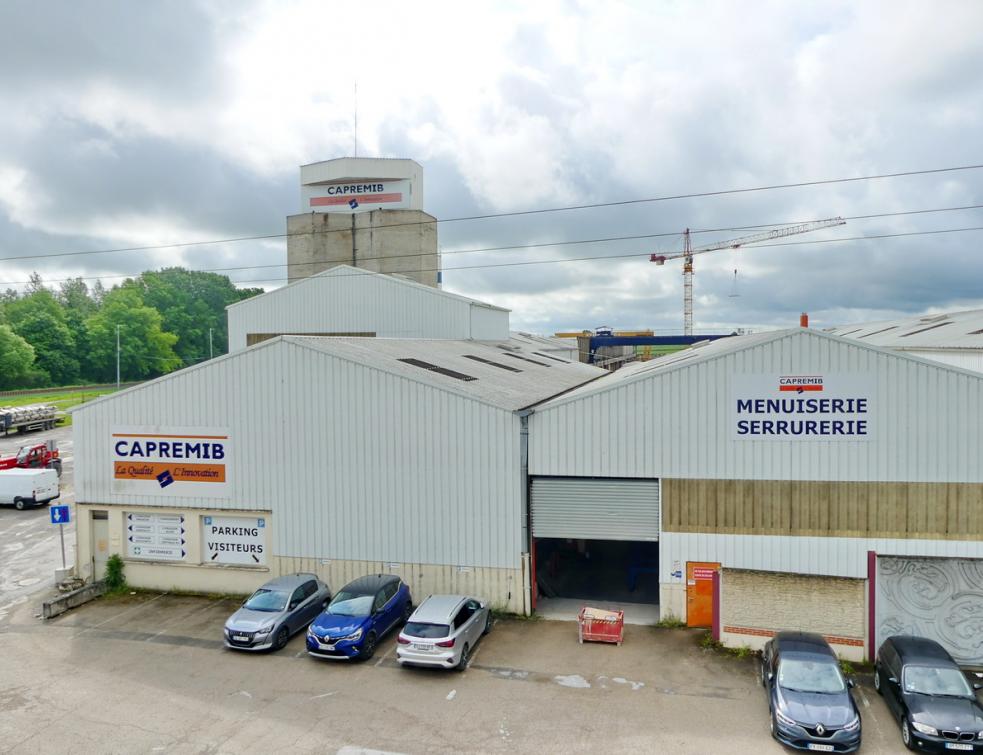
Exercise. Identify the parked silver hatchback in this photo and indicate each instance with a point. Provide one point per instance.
(443, 631)
(280, 608)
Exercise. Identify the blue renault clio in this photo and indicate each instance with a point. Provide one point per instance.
(358, 616)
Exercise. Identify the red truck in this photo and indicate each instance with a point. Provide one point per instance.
(34, 456)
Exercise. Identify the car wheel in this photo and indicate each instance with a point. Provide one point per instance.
(368, 647)
(877, 681)
(488, 624)
(771, 722)
(465, 658)
(906, 734)
(761, 674)
(407, 612)
(281, 639)
(19, 504)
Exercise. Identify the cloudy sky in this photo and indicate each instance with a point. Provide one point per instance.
(138, 124)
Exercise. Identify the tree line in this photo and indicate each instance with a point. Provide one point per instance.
(67, 335)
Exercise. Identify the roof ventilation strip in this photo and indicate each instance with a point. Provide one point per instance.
(555, 359)
(442, 370)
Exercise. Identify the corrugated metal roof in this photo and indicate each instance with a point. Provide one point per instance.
(549, 344)
(952, 330)
(348, 270)
(530, 380)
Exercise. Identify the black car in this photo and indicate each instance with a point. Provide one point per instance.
(928, 693)
(810, 703)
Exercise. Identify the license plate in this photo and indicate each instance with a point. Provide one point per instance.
(240, 638)
(958, 746)
(423, 646)
(820, 748)
(327, 647)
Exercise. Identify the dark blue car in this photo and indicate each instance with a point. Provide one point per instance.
(359, 615)
(809, 700)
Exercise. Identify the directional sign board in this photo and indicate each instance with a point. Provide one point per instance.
(156, 537)
(60, 514)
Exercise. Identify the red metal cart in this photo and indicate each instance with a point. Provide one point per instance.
(598, 625)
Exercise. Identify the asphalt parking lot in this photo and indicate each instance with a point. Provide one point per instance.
(30, 550)
(148, 673)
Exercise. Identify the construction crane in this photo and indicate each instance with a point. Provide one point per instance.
(688, 253)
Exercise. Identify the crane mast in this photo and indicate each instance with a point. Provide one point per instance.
(688, 252)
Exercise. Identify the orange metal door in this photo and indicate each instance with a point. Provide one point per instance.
(699, 593)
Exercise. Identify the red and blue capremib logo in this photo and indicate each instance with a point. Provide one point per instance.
(800, 383)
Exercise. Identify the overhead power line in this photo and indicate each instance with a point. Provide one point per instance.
(530, 246)
(522, 263)
(517, 213)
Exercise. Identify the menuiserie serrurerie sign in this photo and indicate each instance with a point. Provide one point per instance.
(811, 406)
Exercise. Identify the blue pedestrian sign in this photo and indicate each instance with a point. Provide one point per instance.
(60, 514)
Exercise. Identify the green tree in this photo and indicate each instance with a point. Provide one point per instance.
(54, 346)
(146, 349)
(16, 360)
(79, 305)
(191, 303)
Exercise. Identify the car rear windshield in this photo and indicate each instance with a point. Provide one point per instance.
(426, 631)
(267, 600)
(800, 675)
(936, 680)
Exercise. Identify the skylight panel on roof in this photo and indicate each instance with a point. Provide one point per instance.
(436, 368)
(882, 330)
(922, 330)
(490, 362)
(527, 359)
(547, 356)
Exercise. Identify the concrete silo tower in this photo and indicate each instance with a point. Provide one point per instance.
(366, 212)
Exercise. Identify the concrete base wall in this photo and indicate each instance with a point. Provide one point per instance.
(756, 604)
(505, 589)
(385, 241)
(672, 600)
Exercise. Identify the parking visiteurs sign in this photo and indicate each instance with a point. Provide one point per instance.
(233, 540)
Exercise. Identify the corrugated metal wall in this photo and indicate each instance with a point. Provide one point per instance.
(348, 302)
(966, 359)
(595, 509)
(354, 463)
(925, 423)
(833, 556)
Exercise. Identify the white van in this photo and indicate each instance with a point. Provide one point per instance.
(28, 487)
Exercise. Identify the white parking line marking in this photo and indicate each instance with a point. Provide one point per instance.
(123, 613)
(452, 694)
(180, 617)
(380, 661)
(326, 694)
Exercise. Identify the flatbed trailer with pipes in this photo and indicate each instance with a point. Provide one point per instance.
(27, 418)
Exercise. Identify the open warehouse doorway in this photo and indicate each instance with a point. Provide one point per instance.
(595, 540)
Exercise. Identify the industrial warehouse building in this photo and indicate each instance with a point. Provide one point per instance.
(349, 301)
(834, 486)
(954, 338)
(332, 455)
(818, 482)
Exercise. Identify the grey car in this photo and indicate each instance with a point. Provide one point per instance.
(443, 631)
(276, 611)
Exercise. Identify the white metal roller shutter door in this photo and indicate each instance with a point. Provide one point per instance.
(595, 509)
(938, 598)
